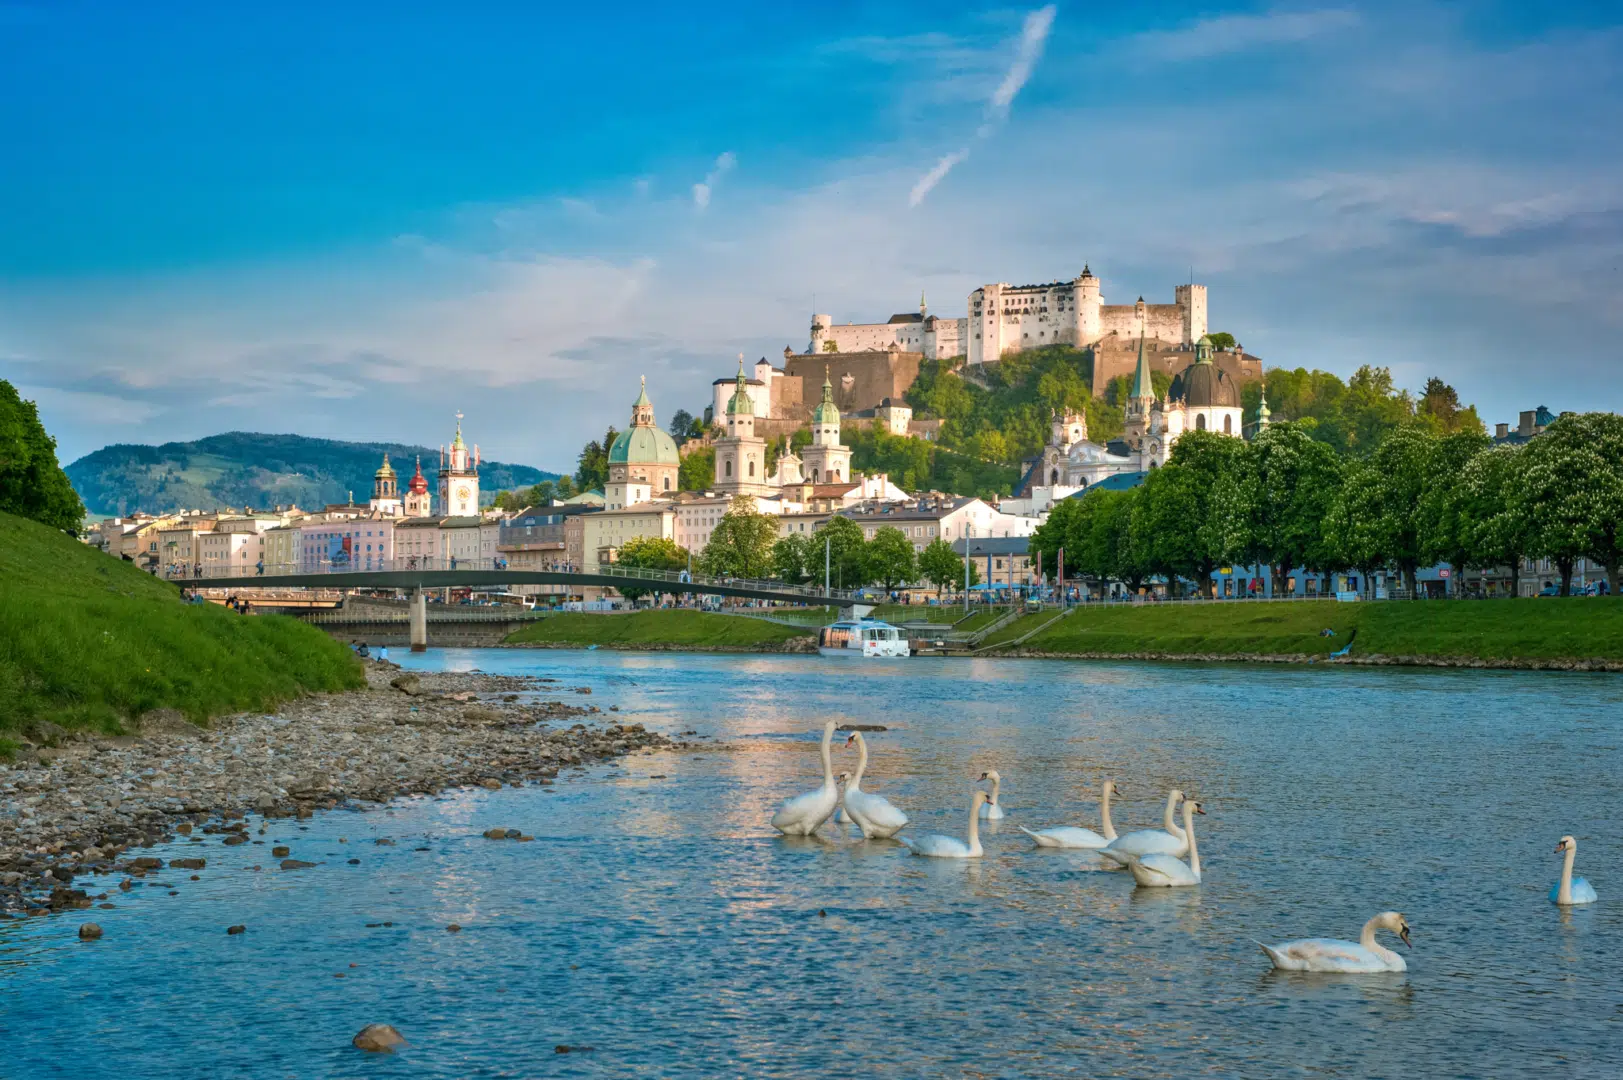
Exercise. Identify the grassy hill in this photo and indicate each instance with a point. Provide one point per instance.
(1488, 630)
(659, 629)
(247, 469)
(88, 641)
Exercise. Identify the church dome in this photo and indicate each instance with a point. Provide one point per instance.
(644, 446)
(386, 471)
(1204, 385)
(826, 411)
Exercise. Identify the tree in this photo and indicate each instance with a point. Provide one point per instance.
(565, 488)
(1352, 526)
(1443, 504)
(649, 553)
(1573, 493)
(831, 346)
(841, 540)
(792, 559)
(32, 484)
(1060, 530)
(1401, 471)
(1499, 532)
(741, 544)
(891, 560)
(681, 425)
(1194, 513)
(1222, 339)
(940, 565)
(697, 470)
(592, 470)
(1291, 482)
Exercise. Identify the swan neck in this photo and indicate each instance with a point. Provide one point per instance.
(1189, 831)
(1170, 819)
(1106, 828)
(997, 782)
(1565, 895)
(828, 762)
(1367, 940)
(975, 826)
(862, 763)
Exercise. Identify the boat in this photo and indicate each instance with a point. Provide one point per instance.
(862, 637)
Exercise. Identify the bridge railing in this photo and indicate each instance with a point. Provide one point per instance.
(637, 577)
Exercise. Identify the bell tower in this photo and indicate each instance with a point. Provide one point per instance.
(459, 477)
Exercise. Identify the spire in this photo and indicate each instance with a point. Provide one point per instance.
(1142, 386)
(459, 443)
(740, 401)
(385, 469)
(642, 398)
(924, 308)
(419, 482)
(1262, 411)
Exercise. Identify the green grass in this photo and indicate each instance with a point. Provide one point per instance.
(674, 627)
(1531, 629)
(88, 641)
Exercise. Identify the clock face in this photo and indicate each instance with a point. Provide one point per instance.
(463, 492)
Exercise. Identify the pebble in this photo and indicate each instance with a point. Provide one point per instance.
(281, 851)
(296, 864)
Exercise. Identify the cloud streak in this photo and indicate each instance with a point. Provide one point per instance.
(1225, 34)
(702, 191)
(1033, 36)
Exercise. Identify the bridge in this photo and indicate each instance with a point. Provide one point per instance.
(416, 576)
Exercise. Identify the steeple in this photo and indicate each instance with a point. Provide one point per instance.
(1143, 388)
(1263, 412)
(457, 442)
(740, 401)
(924, 308)
(642, 410)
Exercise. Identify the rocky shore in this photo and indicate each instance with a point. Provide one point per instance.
(71, 806)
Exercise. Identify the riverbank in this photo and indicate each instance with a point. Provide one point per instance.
(1584, 634)
(665, 629)
(89, 805)
(90, 643)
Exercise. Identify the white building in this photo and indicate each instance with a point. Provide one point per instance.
(935, 337)
(1012, 318)
(459, 477)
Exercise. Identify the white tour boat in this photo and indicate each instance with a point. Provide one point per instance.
(862, 637)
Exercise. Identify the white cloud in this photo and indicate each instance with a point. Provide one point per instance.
(1236, 33)
(930, 179)
(701, 191)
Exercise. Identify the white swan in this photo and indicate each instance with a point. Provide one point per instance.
(874, 814)
(1070, 836)
(1344, 957)
(801, 815)
(1157, 870)
(950, 847)
(993, 810)
(1167, 840)
(1568, 892)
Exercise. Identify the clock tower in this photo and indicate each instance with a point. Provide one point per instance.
(459, 477)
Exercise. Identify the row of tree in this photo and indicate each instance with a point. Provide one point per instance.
(1289, 501)
(745, 543)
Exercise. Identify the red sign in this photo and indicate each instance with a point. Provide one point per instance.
(1444, 572)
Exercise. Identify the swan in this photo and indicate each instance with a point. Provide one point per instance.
(1160, 870)
(840, 816)
(950, 847)
(801, 815)
(1568, 892)
(1069, 836)
(874, 814)
(993, 810)
(1344, 957)
(1167, 840)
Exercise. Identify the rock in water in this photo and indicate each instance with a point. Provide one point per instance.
(378, 1039)
(296, 864)
(453, 928)
(238, 929)
(281, 851)
(89, 931)
(188, 864)
(495, 834)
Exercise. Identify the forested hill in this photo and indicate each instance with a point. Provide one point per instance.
(247, 469)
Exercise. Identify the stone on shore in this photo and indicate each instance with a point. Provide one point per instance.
(281, 851)
(378, 1039)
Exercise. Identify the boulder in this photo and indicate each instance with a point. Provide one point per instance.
(281, 851)
(454, 928)
(495, 834)
(237, 929)
(491, 783)
(147, 862)
(46, 733)
(378, 1039)
(411, 685)
(296, 864)
(89, 931)
(234, 839)
(188, 864)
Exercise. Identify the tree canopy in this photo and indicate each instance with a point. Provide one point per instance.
(32, 483)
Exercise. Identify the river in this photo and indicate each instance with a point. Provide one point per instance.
(657, 926)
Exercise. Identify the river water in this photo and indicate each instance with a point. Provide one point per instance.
(657, 926)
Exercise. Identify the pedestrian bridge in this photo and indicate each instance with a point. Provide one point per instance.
(416, 576)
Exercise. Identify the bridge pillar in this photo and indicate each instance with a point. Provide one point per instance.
(419, 619)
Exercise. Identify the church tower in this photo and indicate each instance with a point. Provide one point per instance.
(1140, 401)
(644, 463)
(740, 454)
(788, 473)
(827, 462)
(418, 502)
(459, 477)
(386, 490)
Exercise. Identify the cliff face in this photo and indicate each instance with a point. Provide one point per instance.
(247, 469)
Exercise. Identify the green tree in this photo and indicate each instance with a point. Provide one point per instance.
(831, 346)
(564, 488)
(697, 470)
(592, 470)
(1120, 535)
(32, 484)
(840, 540)
(1291, 482)
(1573, 492)
(1499, 531)
(891, 560)
(1222, 339)
(681, 427)
(1399, 474)
(649, 553)
(741, 543)
(1444, 503)
(1063, 528)
(941, 566)
(1352, 527)
(793, 561)
(1194, 512)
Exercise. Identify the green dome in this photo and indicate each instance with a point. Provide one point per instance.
(644, 446)
(826, 411)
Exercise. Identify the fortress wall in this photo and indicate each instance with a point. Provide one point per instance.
(1111, 360)
(861, 380)
(862, 337)
(1162, 322)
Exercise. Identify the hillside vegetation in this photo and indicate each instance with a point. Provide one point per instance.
(1487, 630)
(87, 641)
(248, 469)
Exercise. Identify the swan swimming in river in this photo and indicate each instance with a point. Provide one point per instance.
(993, 810)
(1167, 840)
(950, 847)
(1568, 892)
(801, 815)
(1344, 957)
(874, 814)
(1071, 836)
(1159, 870)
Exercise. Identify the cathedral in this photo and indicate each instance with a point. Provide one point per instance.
(459, 485)
(1202, 397)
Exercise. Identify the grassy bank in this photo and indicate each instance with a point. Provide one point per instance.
(655, 629)
(87, 641)
(1488, 630)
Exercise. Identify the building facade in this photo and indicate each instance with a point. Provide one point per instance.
(1013, 318)
(459, 477)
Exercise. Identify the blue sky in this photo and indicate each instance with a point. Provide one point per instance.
(351, 220)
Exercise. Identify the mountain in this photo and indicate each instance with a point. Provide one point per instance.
(246, 469)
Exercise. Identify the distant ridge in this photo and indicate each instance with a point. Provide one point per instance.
(242, 468)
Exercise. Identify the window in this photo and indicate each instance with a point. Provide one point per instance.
(1200, 422)
(729, 468)
(752, 468)
(1228, 425)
